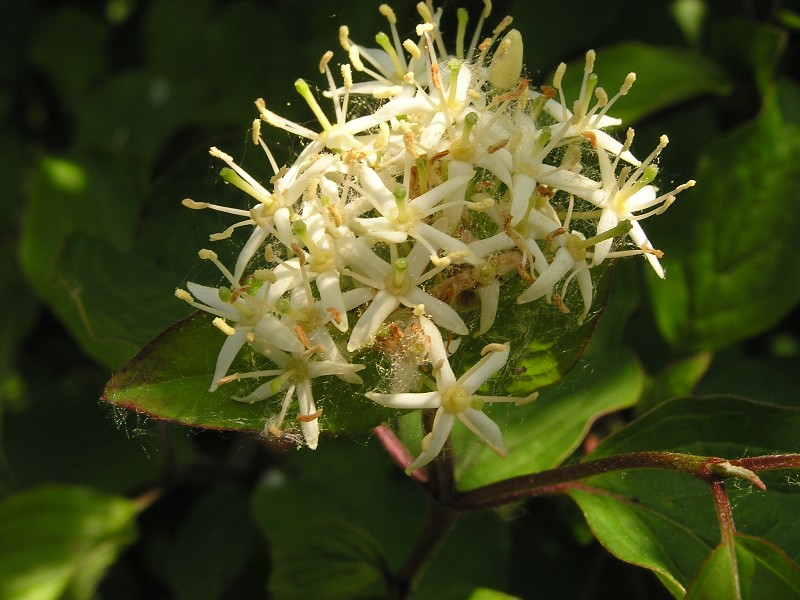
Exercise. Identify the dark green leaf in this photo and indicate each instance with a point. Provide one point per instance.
(747, 47)
(668, 518)
(329, 560)
(746, 568)
(77, 442)
(57, 542)
(677, 379)
(212, 546)
(72, 67)
(664, 77)
(135, 113)
(731, 277)
(78, 249)
(541, 435)
(173, 52)
(357, 486)
(765, 379)
(788, 94)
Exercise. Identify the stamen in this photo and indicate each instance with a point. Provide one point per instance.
(412, 49)
(189, 203)
(487, 9)
(387, 12)
(224, 235)
(240, 178)
(220, 324)
(206, 254)
(463, 17)
(425, 13)
(344, 37)
(302, 88)
(383, 41)
(623, 90)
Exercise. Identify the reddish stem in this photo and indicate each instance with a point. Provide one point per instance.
(398, 452)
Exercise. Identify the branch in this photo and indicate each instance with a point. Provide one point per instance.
(562, 479)
(437, 526)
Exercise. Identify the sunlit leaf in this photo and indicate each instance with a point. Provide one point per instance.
(57, 542)
(541, 435)
(746, 568)
(487, 594)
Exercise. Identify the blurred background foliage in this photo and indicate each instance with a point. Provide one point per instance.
(108, 109)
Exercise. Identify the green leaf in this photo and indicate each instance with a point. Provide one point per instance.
(79, 250)
(111, 455)
(661, 521)
(135, 113)
(170, 377)
(788, 96)
(212, 545)
(730, 276)
(72, 67)
(543, 434)
(745, 46)
(329, 560)
(668, 518)
(714, 425)
(545, 343)
(676, 379)
(746, 568)
(355, 485)
(765, 379)
(487, 594)
(57, 542)
(664, 77)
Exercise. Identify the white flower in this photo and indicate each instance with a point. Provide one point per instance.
(570, 256)
(398, 283)
(454, 398)
(630, 197)
(295, 372)
(585, 120)
(452, 183)
(245, 306)
(401, 218)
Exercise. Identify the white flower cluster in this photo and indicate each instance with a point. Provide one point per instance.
(461, 178)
